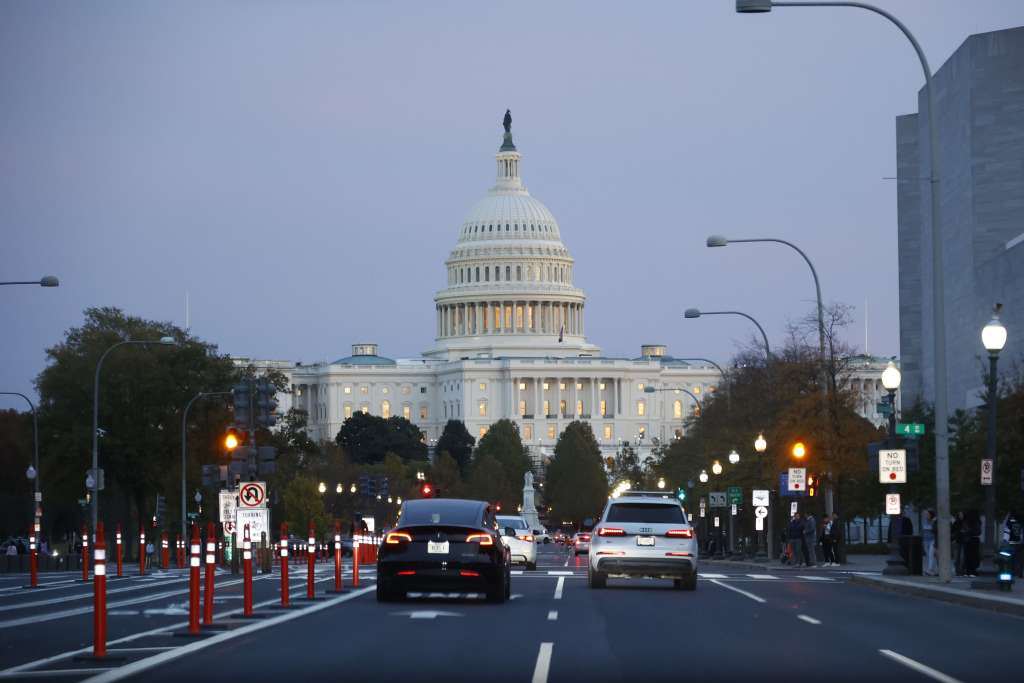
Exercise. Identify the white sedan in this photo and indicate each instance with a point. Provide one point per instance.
(518, 538)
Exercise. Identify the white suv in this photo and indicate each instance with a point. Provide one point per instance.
(643, 535)
(520, 542)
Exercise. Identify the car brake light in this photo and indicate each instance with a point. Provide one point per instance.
(466, 572)
(407, 572)
(610, 531)
(396, 537)
(482, 539)
(584, 537)
(525, 538)
(679, 533)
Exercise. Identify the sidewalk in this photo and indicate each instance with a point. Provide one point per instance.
(958, 591)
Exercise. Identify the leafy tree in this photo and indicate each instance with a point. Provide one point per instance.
(489, 481)
(15, 457)
(368, 438)
(576, 486)
(502, 443)
(446, 477)
(455, 439)
(304, 504)
(142, 395)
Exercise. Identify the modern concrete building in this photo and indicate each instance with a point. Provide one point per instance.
(980, 129)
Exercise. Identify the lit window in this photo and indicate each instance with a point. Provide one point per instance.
(696, 389)
(483, 408)
(641, 408)
(561, 386)
(522, 386)
(640, 386)
(497, 318)
(348, 410)
(579, 407)
(407, 412)
(643, 431)
(423, 412)
(604, 408)
(406, 390)
(601, 386)
(522, 407)
(551, 431)
(364, 409)
(348, 390)
(508, 317)
(579, 385)
(384, 390)
(483, 387)
(483, 431)
(528, 432)
(561, 407)
(677, 409)
(547, 407)
(607, 432)
(545, 386)
(385, 409)
(363, 390)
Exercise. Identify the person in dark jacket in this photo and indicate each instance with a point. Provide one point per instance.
(795, 534)
(972, 547)
(810, 541)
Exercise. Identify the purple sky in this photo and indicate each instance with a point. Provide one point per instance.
(310, 163)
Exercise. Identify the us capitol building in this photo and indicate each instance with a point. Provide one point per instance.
(509, 342)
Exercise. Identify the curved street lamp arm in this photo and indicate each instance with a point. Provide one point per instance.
(764, 336)
(35, 438)
(705, 360)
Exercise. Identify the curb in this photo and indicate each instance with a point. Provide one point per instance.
(952, 595)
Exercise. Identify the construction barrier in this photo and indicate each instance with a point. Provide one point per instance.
(211, 568)
(246, 573)
(99, 609)
(85, 554)
(284, 565)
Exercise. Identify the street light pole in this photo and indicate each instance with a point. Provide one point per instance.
(993, 338)
(184, 420)
(696, 313)
(169, 341)
(45, 281)
(938, 282)
(36, 506)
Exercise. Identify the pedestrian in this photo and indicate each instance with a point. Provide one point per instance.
(150, 550)
(12, 549)
(972, 547)
(810, 541)
(826, 541)
(928, 537)
(1013, 540)
(958, 535)
(795, 534)
(837, 540)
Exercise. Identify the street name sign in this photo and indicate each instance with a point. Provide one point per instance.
(910, 429)
(735, 495)
(986, 472)
(761, 498)
(717, 499)
(258, 520)
(892, 466)
(227, 506)
(252, 494)
(797, 478)
(892, 504)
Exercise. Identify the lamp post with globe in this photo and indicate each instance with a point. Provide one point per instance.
(891, 382)
(764, 541)
(993, 337)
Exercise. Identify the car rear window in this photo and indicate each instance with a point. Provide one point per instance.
(646, 513)
(441, 511)
(514, 522)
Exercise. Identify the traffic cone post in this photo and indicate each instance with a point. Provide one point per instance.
(117, 540)
(355, 561)
(193, 580)
(99, 609)
(247, 573)
(311, 563)
(33, 558)
(337, 557)
(142, 551)
(85, 554)
(165, 554)
(284, 565)
(211, 568)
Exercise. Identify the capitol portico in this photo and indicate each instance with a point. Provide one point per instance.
(509, 343)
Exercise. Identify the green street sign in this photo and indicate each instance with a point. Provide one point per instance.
(883, 408)
(735, 495)
(909, 429)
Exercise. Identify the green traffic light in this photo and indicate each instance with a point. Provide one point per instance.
(681, 493)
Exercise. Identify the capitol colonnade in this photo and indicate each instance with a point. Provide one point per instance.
(512, 316)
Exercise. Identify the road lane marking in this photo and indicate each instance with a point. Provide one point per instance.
(919, 667)
(82, 596)
(712, 576)
(540, 671)
(517, 572)
(816, 578)
(560, 573)
(61, 672)
(141, 665)
(762, 576)
(737, 590)
(553, 615)
(809, 620)
(559, 587)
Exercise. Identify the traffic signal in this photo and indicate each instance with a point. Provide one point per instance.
(266, 403)
(810, 486)
(241, 395)
(681, 494)
(799, 450)
(232, 439)
(426, 490)
(266, 459)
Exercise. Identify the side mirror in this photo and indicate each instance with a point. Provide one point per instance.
(509, 531)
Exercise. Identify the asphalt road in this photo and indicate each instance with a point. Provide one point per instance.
(737, 626)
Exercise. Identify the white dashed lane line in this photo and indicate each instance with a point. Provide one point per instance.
(553, 615)
(809, 620)
(559, 587)
(744, 593)
(540, 671)
(919, 667)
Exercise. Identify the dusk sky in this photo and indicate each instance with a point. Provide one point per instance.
(302, 169)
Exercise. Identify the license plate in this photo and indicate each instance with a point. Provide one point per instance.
(439, 547)
(645, 540)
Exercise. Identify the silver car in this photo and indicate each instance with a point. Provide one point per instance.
(643, 535)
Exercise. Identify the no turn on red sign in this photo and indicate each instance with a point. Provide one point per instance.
(797, 478)
(892, 466)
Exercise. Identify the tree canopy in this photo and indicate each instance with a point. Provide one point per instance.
(368, 438)
(457, 442)
(576, 486)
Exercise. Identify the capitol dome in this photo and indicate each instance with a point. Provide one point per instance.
(510, 279)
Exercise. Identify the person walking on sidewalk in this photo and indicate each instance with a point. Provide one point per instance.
(958, 535)
(810, 541)
(928, 537)
(829, 539)
(795, 534)
(1013, 540)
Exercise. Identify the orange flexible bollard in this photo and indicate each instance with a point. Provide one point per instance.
(99, 609)
(193, 580)
(211, 568)
(311, 563)
(142, 551)
(85, 554)
(284, 565)
(247, 573)
(33, 560)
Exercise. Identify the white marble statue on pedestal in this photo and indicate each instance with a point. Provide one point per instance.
(529, 512)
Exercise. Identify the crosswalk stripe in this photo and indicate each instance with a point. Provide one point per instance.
(816, 578)
(712, 576)
(762, 576)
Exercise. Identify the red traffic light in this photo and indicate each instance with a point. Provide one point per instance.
(426, 490)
